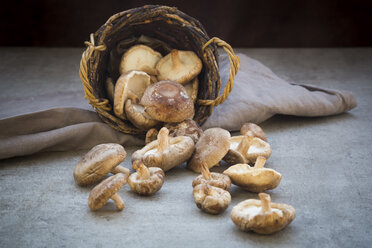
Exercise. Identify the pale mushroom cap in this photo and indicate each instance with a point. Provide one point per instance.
(183, 70)
(211, 199)
(248, 216)
(148, 186)
(188, 128)
(103, 191)
(253, 179)
(217, 180)
(131, 83)
(110, 89)
(140, 58)
(258, 147)
(254, 130)
(192, 89)
(180, 149)
(211, 147)
(99, 161)
(138, 117)
(167, 101)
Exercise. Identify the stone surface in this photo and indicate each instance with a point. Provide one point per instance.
(325, 163)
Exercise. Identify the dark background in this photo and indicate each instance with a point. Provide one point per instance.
(250, 23)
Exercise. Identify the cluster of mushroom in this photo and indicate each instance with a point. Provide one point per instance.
(152, 89)
(103, 159)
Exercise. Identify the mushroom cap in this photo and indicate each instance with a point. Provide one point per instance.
(248, 216)
(167, 101)
(188, 128)
(254, 130)
(103, 191)
(131, 83)
(211, 199)
(179, 66)
(253, 179)
(192, 89)
(147, 186)
(140, 58)
(138, 117)
(151, 135)
(180, 149)
(99, 161)
(257, 148)
(211, 147)
(217, 180)
(110, 88)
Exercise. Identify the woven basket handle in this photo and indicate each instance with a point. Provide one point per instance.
(234, 67)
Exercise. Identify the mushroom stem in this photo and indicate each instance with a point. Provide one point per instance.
(142, 171)
(163, 139)
(205, 171)
(120, 169)
(265, 200)
(133, 97)
(175, 59)
(244, 145)
(260, 162)
(118, 201)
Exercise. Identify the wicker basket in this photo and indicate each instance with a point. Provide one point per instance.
(168, 25)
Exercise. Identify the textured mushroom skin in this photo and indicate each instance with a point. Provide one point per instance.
(254, 130)
(167, 101)
(262, 223)
(211, 199)
(253, 179)
(138, 117)
(180, 150)
(148, 186)
(188, 128)
(217, 180)
(99, 161)
(103, 191)
(211, 147)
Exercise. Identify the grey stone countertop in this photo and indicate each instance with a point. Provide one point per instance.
(325, 163)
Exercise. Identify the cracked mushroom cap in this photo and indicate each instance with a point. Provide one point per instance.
(245, 149)
(262, 216)
(138, 117)
(98, 162)
(210, 199)
(179, 66)
(211, 147)
(167, 101)
(146, 181)
(212, 178)
(254, 179)
(251, 129)
(107, 189)
(165, 152)
(131, 85)
(188, 128)
(140, 58)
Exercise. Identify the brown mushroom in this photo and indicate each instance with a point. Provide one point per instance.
(245, 149)
(98, 162)
(138, 117)
(192, 88)
(129, 86)
(211, 147)
(140, 58)
(167, 101)
(210, 199)
(214, 179)
(107, 189)
(188, 128)
(145, 181)
(262, 217)
(179, 66)
(165, 152)
(254, 179)
(253, 130)
(151, 135)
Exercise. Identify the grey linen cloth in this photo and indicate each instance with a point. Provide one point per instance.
(257, 95)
